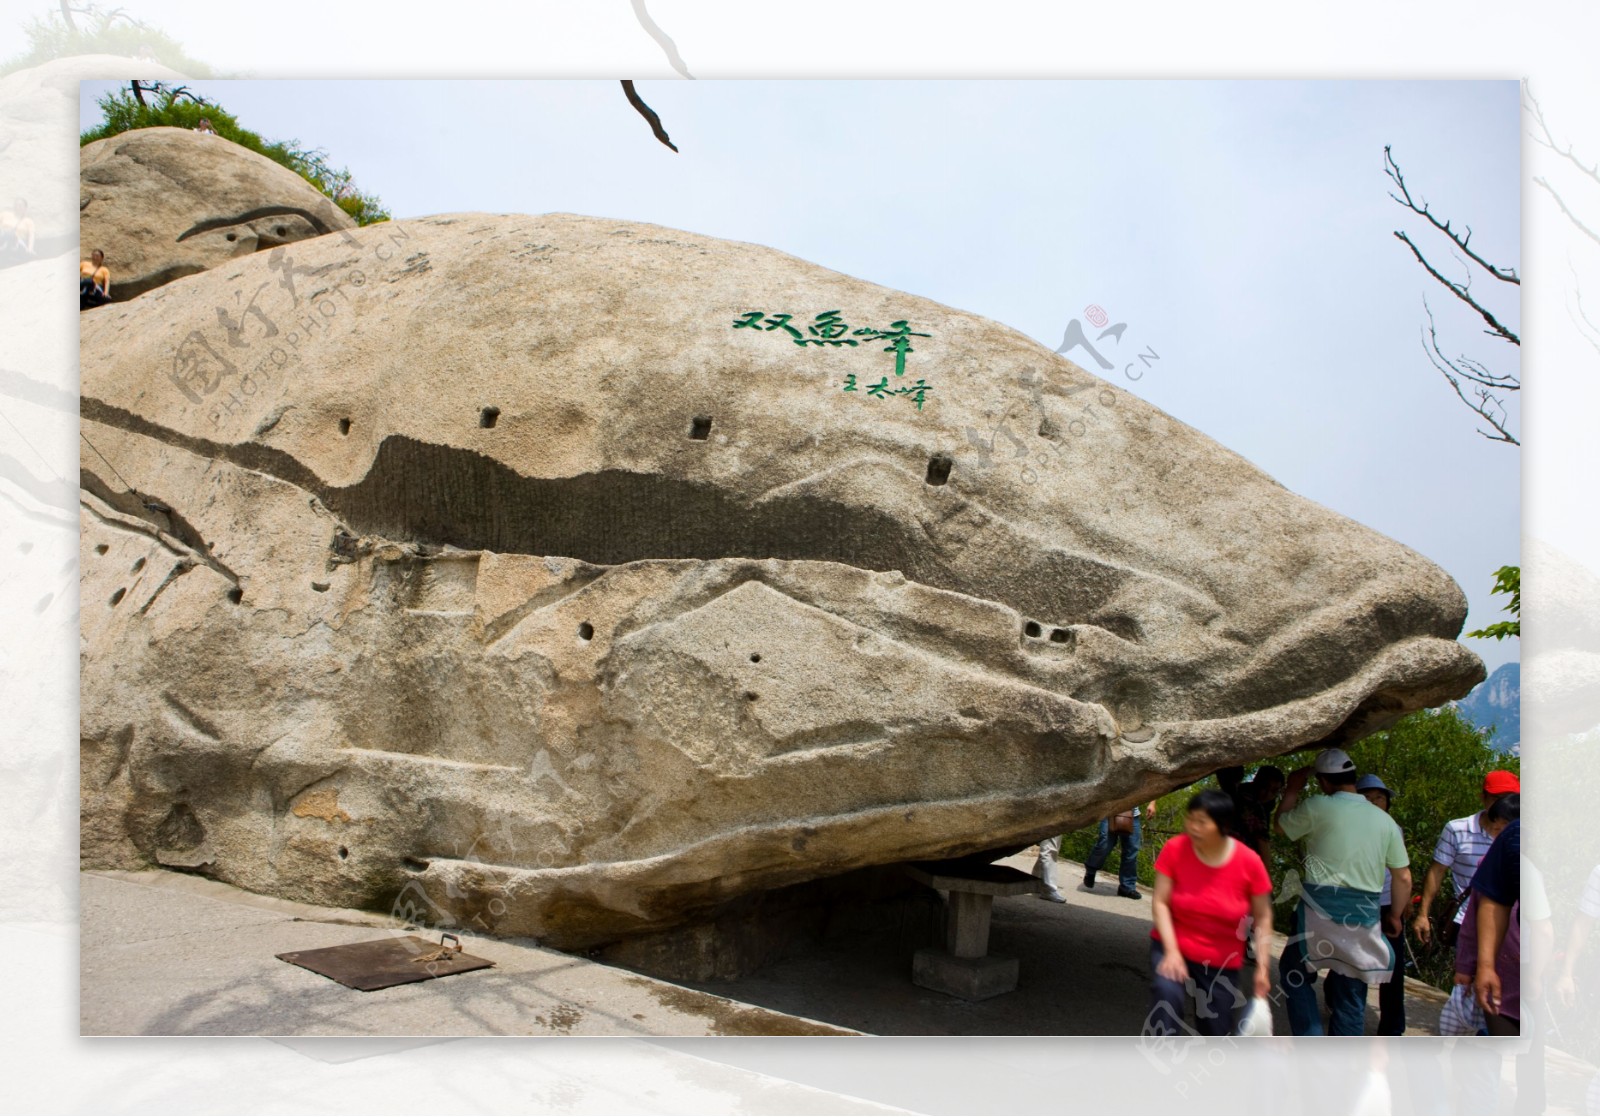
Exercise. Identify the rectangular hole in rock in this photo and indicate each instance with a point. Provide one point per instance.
(488, 417)
(700, 429)
(939, 468)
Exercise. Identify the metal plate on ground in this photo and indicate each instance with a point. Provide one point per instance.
(381, 963)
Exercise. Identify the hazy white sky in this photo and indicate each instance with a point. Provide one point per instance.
(1242, 230)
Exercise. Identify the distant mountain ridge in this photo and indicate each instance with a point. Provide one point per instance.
(1497, 703)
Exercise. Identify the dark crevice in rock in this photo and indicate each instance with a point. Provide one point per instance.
(159, 515)
(180, 829)
(321, 226)
(443, 495)
(133, 286)
(179, 569)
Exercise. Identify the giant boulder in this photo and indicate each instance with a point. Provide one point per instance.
(570, 577)
(169, 202)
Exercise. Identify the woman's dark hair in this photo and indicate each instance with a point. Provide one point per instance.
(1217, 804)
(1507, 808)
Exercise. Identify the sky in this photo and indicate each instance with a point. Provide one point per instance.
(1242, 230)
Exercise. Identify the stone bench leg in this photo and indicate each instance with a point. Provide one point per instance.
(965, 969)
(967, 924)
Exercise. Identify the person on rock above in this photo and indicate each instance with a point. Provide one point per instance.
(94, 281)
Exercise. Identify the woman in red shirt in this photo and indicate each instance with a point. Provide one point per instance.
(1207, 886)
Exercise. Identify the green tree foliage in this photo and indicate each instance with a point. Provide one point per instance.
(124, 111)
(1508, 579)
(1434, 759)
(91, 29)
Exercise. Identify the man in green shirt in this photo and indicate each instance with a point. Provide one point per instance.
(1339, 926)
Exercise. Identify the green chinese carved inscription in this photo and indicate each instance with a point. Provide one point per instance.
(828, 328)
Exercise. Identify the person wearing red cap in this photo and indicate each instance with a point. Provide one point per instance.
(1461, 846)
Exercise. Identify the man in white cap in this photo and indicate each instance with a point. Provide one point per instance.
(1339, 925)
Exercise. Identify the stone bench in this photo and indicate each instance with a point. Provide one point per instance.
(965, 968)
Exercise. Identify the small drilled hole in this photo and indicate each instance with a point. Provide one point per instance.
(138, 565)
(939, 469)
(101, 548)
(586, 631)
(751, 696)
(1032, 629)
(416, 865)
(700, 429)
(236, 595)
(1058, 636)
(344, 426)
(116, 597)
(488, 417)
(279, 231)
(230, 236)
(321, 587)
(343, 853)
(755, 657)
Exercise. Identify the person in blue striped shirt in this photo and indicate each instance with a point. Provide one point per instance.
(1461, 846)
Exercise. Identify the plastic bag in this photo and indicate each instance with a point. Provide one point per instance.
(1461, 1015)
(1257, 1019)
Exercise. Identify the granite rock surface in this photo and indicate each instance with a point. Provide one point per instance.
(570, 577)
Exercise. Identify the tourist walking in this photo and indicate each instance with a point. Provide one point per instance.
(1461, 846)
(1208, 884)
(1505, 811)
(1338, 925)
(1125, 830)
(1045, 869)
(1508, 892)
(1392, 993)
(1253, 804)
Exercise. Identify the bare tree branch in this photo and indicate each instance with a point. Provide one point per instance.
(1483, 403)
(1461, 292)
(648, 113)
(1392, 169)
(1479, 372)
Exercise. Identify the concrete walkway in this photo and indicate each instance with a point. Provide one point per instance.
(1085, 971)
(170, 954)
